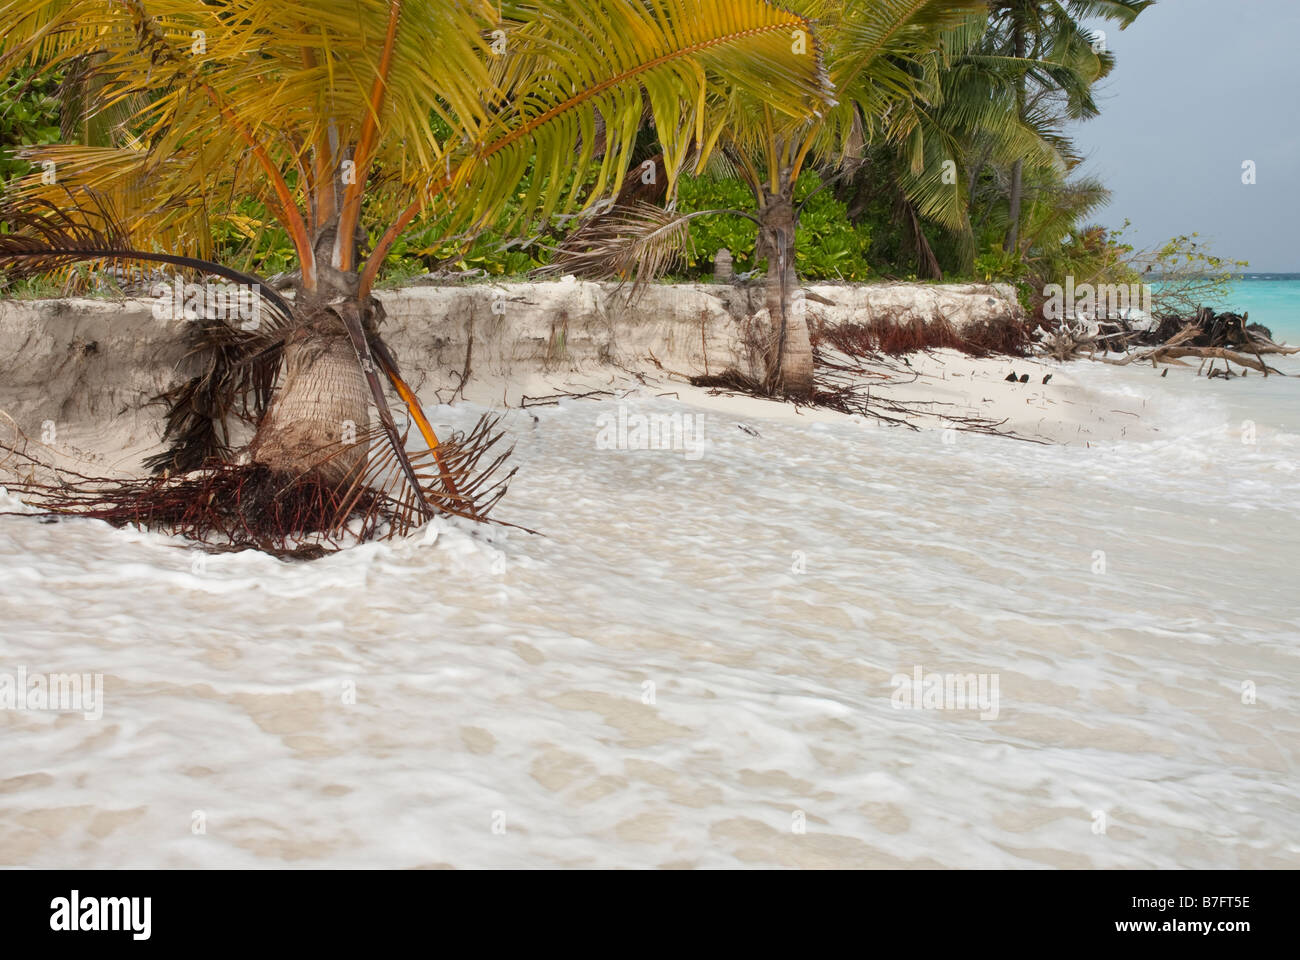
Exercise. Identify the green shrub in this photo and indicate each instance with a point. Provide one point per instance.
(827, 245)
(29, 116)
(711, 234)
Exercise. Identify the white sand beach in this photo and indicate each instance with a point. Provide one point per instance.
(698, 661)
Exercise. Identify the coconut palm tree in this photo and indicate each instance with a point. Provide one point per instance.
(1072, 61)
(871, 49)
(348, 119)
(966, 118)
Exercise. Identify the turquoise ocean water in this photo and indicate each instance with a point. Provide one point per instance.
(1272, 299)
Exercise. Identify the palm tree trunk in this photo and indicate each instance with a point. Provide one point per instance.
(319, 412)
(790, 362)
(1017, 192)
(1018, 169)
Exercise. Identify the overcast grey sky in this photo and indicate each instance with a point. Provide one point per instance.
(1202, 86)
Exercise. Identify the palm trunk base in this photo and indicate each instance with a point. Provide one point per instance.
(320, 411)
(788, 361)
(316, 475)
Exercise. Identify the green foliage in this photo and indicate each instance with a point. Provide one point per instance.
(996, 264)
(828, 246)
(250, 239)
(430, 244)
(427, 248)
(973, 118)
(29, 116)
(1185, 275)
(710, 234)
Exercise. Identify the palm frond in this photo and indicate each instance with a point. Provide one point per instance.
(475, 491)
(637, 243)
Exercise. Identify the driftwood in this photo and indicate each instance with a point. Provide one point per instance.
(1227, 336)
(1171, 354)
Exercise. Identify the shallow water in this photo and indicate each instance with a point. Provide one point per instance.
(693, 666)
(1271, 299)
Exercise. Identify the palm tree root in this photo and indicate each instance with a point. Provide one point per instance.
(230, 506)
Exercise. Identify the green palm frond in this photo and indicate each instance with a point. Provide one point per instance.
(572, 88)
(292, 102)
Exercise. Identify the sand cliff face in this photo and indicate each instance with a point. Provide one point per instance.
(81, 369)
(91, 366)
(522, 328)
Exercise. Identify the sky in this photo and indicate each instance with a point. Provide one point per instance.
(1202, 86)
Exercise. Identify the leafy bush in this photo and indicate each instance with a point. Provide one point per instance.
(711, 234)
(29, 115)
(1185, 275)
(827, 245)
(426, 248)
(250, 239)
(996, 264)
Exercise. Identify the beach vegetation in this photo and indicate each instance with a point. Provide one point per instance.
(333, 122)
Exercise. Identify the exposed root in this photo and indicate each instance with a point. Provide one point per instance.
(242, 506)
(842, 383)
(553, 399)
(731, 380)
(848, 357)
(1209, 336)
(451, 478)
(229, 506)
(895, 336)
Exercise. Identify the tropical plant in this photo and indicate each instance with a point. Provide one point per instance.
(1067, 60)
(341, 121)
(871, 48)
(963, 119)
(828, 246)
(29, 113)
(1184, 274)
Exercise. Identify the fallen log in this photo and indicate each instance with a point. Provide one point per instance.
(1169, 338)
(1173, 353)
(1223, 353)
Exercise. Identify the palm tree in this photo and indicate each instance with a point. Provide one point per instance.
(961, 116)
(870, 48)
(967, 119)
(348, 119)
(1071, 62)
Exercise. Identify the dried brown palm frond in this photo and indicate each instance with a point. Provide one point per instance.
(448, 483)
(224, 505)
(38, 236)
(236, 375)
(897, 334)
(236, 363)
(452, 482)
(242, 505)
(236, 371)
(239, 506)
(638, 243)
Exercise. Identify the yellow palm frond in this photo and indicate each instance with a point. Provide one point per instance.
(297, 103)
